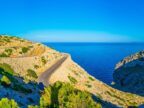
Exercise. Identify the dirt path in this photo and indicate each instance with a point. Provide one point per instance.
(44, 77)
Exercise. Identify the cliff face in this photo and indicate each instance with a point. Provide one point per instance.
(129, 59)
(129, 74)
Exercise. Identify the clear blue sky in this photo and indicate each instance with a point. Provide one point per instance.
(74, 20)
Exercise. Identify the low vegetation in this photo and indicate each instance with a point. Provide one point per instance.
(36, 66)
(88, 85)
(64, 95)
(8, 51)
(6, 103)
(5, 81)
(58, 95)
(44, 61)
(7, 68)
(72, 79)
(9, 80)
(3, 55)
(91, 78)
(25, 49)
(32, 73)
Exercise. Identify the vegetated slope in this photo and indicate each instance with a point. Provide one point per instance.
(71, 72)
(33, 95)
(129, 74)
(32, 61)
(13, 87)
(26, 57)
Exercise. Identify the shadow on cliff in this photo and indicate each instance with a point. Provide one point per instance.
(14, 87)
(130, 77)
(104, 103)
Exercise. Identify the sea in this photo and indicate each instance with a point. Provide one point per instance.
(98, 59)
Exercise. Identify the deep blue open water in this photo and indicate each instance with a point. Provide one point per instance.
(98, 59)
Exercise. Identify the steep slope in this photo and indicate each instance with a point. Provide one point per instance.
(83, 81)
(39, 63)
(129, 74)
(16, 93)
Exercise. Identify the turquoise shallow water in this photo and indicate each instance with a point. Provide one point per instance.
(99, 59)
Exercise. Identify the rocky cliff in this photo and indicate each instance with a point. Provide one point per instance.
(129, 74)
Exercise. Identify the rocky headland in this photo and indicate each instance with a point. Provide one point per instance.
(129, 74)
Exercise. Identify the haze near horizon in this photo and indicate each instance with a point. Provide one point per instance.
(74, 20)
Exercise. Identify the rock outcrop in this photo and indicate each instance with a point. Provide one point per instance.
(129, 74)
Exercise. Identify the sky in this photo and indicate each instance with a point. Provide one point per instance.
(73, 20)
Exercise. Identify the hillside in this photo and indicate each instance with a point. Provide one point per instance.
(33, 64)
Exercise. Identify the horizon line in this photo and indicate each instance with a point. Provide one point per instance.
(100, 42)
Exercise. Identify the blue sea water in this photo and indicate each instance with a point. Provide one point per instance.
(98, 59)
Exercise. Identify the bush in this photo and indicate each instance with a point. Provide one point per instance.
(88, 85)
(7, 68)
(72, 79)
(5, 80)
(43, 60)
(31, 106)
(45, 99)
(25, 49)
(36, 66)
(8, 51)
(3, 55)
(91, 78)
(6, 103)
(32, 73)
(64, 95)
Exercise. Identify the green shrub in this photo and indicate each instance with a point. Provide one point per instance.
(8, 51)
(45, 99)
(31, 106)
(7, 68)
(99, 96)
(5, 80)
(36, 66)
(64, 95)
(72, 79)
(88, 85)
(7, 39)
(91, 78)
(6, 103)
(43, 60)
(32, 73)
(25, 49)
(3, 55)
